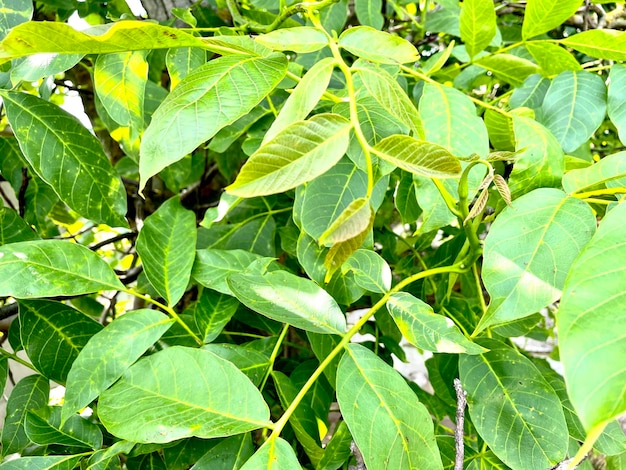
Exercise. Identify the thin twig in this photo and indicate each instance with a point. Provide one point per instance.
(114, 239)
(360, 464)
(461, 401)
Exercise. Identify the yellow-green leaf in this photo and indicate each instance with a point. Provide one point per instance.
(606, 44)
(541, 16)
(378, 46)
(477, 25)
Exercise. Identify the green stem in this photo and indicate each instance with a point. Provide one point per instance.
(170, 311)
(592, 437)
(600, 192)
(17, 359)
(280, 424)
(274, 355)
(326, 95)
(447, 197)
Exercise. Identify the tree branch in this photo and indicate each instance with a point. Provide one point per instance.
(461, 401)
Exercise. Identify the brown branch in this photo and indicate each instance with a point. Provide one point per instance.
(360, 464)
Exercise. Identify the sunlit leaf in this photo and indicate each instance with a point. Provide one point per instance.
(606, 44)
(43, 427)
(514, 409)
(617, 99)
(540, 16)
(61, 462)
(604, 173)
(274, 454)
(297, 154)
(508, 67)
(552, 58)
(377, 46)
(370, 270)
(477, 25)
(13, 228)
(301, 40)
(391, 428)
(181, 392)
(68, 157)
(529, 251)
(38, 66)
(166, 245)
(593, 301)
(125, 340)
(352, 221)
(182, 61)
(291, 299)
(212, 312)
(48, 268)
(192, 113)
(212, 267)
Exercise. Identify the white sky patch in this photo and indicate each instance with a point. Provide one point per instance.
(74, 105)
(137, 8)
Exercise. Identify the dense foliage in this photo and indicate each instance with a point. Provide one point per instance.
(255, 183)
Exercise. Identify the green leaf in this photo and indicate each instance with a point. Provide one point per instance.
(593, 301)
(288, 298)
(61, 462)
(175, 128)
(552, 58)
(297, 154)
(166, 245)
(508, 67)
(601, 174)
(425, 329)
(418, 157)
(230, 454)
(212, 267)
(101, 459)
(212, 312)
(500, 129)
(529, 250)
(43, 427)
(337, 451)
(14, 12)
(605, 44)
(125, 340)
(617, 99)
(478, 25)
(4, 372)
(574, 107)
(13, 228)
(120, 82)
(450, 120)
(381, 86)
(252, 363)
(182, 392)
(53, 334)
(34, 37)
(304, 97)
(540, 162)
(377, 46)
(48, 268)
(66, 156)
(514, 409)
(31, 69)
(389, 425)
(531, 93)
(352, 221)
(542, 16)
(369, 13)
(371, 271)
(182, 61)
(301, 40)
(30, 393)
(274, 454)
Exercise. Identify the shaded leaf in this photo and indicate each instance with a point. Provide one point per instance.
(297, 154)
(604, 173)
(34, 67)
(477, 25)
(43, 427)
(617, 99)
(191, 114)
(212, 312)
(14, 12)
(166, 245)
(531, 93)
(230, 454)
(182, 61)
(61, 462)
(181, 392)
(551, 58)
(30, 393)
(529, 250)
(302, 39)
(13, 228)
(53, 334)
(418, 157)
(514, 409)
(508, 67)
(337, 451)
(125, 340)
(390, 427)
(593, 301)
(274, 454)
(352, 221)
(288, 298)
(425, 329)
(304, 97)
(369, 13)
(252, 363)
(606, 44)
(574, 107)
(540, 16)
(377, 46)
(371, 271)
(65, 155)
(48, 268)
(101, 459)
